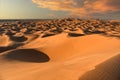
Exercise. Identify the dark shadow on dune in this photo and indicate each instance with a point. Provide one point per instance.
(75, 34)
(18, 39)
(108, 70)
(3, 49)
(27, 55)
(47, 35)
(98, 32)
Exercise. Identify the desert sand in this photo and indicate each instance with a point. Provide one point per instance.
(60, 49)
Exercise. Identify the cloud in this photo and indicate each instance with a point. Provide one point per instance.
(106, 5)
(81, 7)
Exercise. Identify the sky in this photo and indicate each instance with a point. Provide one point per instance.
(46, 9)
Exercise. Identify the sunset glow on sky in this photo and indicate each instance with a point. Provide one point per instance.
(44, 9)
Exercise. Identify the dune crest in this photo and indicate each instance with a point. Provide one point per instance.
(70, 46)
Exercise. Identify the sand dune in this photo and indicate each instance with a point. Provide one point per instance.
(70, 46)
(62, 49)
(67, 59)
(4, 40)
(108, 70)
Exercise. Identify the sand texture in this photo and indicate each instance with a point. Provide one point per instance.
(60, 49)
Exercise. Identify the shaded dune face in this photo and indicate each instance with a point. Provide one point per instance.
(2, 49)
(18, 39)
(27, 55)
(108, 70)
(6, 48)
(47, 35)
(75, 34)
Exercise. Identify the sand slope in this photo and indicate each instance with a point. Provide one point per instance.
(108, 70)
(62, 57)
(60, 49)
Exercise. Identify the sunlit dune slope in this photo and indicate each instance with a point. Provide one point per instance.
(63, 46)
(60, 49)
(59, 57)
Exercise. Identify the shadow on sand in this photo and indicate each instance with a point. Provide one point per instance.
(27, 55)
(18, 39)
(108, 70)
(3, 49)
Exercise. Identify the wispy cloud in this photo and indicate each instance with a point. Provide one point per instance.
(81, 7)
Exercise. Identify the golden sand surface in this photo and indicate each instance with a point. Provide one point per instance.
(61, 49)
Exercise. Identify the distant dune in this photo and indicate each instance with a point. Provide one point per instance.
(61, 49)
(115, 20)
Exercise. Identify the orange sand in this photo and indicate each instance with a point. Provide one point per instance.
(58, 57)
(63, 49)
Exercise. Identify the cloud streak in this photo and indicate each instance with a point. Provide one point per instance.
(81, 7)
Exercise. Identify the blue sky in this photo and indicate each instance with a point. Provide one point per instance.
(25, 9)
(32, 9)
